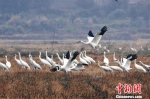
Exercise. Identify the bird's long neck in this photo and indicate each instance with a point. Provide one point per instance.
(114, 56)
(70, 54)
(121, 60)
(99, 64)
(63, 57)
(6, 58)
(135, 61)
(80, 56)
(46, 53)
(19, 56)
(15, 57)
(84, 42)
(40, 55)
(59, 57)
(142, 63)
(85, 53)
(104, 55)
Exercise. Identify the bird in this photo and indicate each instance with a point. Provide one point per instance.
(75, 60)
(105, 68)
(133, 49)
(138, 67)
(89, 58)
(3, 66)
(53, 62)
(105, 60)
(116, 68)
(85, 58)
(146, 66)
(8, 64)
(115, 60)
(67, 64)
(45, 62)
(61, 60)
(90, 37)
(127, 62)
(34, 64)
(18, 61)
(93, 42)
(50, 60)
(78, 67)
(82, 60)
(25, 64)
(106, 49)
(116, 0)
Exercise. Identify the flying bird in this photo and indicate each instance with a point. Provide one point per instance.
(93, 40)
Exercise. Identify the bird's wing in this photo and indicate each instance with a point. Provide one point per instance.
(99, 35)
(90, 34)
(90, 38)
(96, 39)
(79, 67)
(70, 61)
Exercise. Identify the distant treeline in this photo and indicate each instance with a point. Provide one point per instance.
(71, 16)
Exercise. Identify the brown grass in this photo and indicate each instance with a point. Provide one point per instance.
(92, 83)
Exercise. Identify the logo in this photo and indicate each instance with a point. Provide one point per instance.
(129, 89)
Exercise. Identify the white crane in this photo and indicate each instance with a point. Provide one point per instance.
(85, 58)
(53, 62)
(45, 62)
(18, 61)
(50, 60)
(61, 60)
(146, 66)
(115, 60)
(105, 48)
(116, 68)
(25, 64)
(105, 68)
(82, 61)
(105, 60)
(127, 62)
(67, 64)
(93, 42)
(78, 67)
(138, 67)
(3, 66)
(34, 64)
(8, 64)
(133, 49)
(89, 58)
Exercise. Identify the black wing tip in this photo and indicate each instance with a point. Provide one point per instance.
(54, 69)
(76, 53)
(90, 34)
(85, 64)
(103, 30)
(68, 55)
(133, 57)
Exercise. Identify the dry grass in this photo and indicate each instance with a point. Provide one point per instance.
(92, 83)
